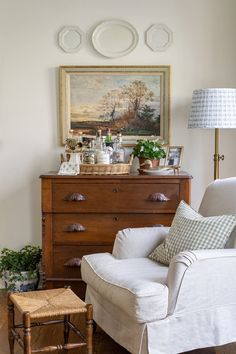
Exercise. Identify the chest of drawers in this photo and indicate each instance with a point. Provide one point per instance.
(82, 214)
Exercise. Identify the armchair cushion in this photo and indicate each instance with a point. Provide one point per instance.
(138, 242)
(135, 285)
(191, 231)
(219, 199)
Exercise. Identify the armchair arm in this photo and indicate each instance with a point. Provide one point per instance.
(201, 279)
(138, 242)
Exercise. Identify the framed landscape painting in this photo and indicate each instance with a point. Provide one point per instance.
(133, 100)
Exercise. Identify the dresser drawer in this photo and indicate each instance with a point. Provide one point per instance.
(114, 197)
(100, 228)
(66, 259)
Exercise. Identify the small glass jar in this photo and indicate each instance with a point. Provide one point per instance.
(103, 157)
(89, 156)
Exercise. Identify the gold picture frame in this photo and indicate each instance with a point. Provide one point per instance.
(174, 156)
(132, 99)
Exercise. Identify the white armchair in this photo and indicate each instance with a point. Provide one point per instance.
(149, 308)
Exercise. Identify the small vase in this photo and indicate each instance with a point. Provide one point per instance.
(75, 157)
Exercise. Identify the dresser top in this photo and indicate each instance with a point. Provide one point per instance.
(180, 175)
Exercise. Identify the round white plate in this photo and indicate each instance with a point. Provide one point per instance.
(114, 38)
(158, 171)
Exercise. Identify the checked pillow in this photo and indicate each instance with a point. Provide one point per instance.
(191, 231)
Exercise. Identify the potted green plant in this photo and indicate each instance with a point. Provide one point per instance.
(149, 152)
(20, 269)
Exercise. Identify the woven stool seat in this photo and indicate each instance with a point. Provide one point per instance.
(48, 303)
(49, 307)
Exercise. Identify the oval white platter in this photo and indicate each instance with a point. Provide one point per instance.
(114, 38)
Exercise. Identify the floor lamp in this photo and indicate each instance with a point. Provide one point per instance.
(213, 108)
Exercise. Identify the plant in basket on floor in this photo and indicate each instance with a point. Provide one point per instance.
(149, 153)
(20, 269)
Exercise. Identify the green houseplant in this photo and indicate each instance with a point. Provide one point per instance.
(20, 269)
(151, 150)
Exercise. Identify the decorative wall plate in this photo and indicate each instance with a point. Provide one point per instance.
(70, 39)
(159, 37)
(114, 38)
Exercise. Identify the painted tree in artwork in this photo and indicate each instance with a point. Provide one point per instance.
(147, 113)
(137, 94)
(148, 117)
(110, 102)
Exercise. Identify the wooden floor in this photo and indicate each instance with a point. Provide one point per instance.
(102, 343)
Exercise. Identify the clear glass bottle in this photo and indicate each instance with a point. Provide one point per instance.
(98, 140)
(103, 155)
(119, 152)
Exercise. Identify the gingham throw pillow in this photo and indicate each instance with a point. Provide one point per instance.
(191, 231)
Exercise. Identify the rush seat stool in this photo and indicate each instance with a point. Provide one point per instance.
(55, 304)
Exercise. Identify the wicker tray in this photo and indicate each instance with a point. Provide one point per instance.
(102, 169)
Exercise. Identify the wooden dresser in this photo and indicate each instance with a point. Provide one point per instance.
(82, 214)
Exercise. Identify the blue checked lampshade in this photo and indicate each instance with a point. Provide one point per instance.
(213, 108)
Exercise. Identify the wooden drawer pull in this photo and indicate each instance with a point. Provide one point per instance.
(115, 218)
(157, 197)
(74, 197)
(73, 262)
(75, 228)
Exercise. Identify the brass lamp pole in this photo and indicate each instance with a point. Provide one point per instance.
(213, 108)
(217, 156)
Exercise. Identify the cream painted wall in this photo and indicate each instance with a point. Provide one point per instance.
(202, 55)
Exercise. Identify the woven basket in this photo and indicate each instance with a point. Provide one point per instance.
(102, 169)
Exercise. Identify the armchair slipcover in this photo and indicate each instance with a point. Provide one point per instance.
(150, 308)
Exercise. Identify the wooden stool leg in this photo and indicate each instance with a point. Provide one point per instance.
(11, 323)
(89, 328)
(27, 333)
(66, 328)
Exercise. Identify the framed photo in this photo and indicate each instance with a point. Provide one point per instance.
(134, 100)
(174, 156)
